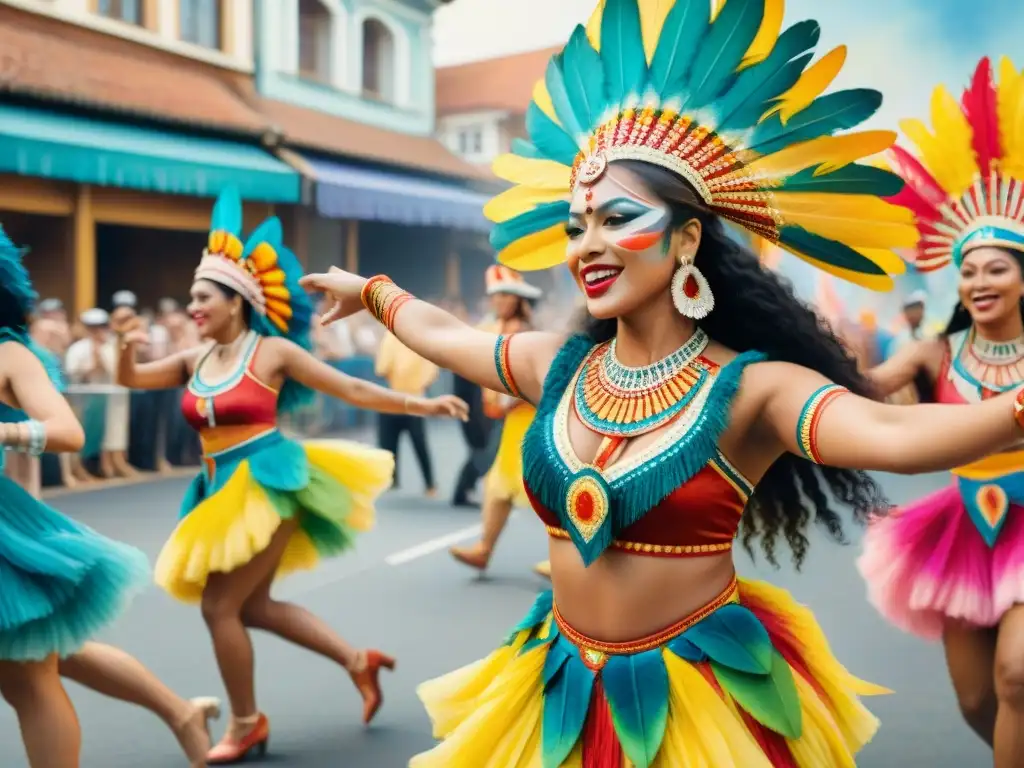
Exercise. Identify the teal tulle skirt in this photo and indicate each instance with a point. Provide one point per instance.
(60, 581)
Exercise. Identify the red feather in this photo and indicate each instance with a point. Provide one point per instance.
(979, 105)
(921, 193)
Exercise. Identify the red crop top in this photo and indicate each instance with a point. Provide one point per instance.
(234, 410)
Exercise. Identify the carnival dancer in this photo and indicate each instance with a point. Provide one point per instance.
(264, 505)
(60, 582)
(950, 566)
(663, 424)
(503, 484)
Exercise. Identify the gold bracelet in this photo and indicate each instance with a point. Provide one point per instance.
(382, 299)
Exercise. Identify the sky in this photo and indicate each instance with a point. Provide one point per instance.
(903, 48)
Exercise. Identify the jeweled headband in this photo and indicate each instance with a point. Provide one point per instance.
(724, 98)
(966, 187)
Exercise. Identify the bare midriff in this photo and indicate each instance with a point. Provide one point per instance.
(623, 597)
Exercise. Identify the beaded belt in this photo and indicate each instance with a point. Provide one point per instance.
(664, 550)
(594, 652)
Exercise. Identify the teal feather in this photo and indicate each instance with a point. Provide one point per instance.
(685, 650)
(732, 636)
(622, 53)
(583, 78)
(770, 699)
(523, 148)
(537, 641)
(227, 212)
(549, 138)
(564, 106)
(536, 220)
(825, 116)
(634, 493)
(15, 284)
(566, 703)
(849, 180)
(557, 657)
(758, 86)
(684, 27)
(269, 231)
(829, 251)
(721, 51)
(637, 691)
(539, 611)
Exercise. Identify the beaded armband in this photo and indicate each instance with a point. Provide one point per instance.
(34, 443)
(810, 416)
(1018, 408)
(382, 299)
(503, 365)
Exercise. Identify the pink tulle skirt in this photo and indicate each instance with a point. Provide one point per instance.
(926, 562)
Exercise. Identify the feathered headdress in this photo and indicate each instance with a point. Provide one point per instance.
(265, 273)
(727, 102)
(14, 279)
(967, 188)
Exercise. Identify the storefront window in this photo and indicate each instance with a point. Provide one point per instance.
(199, 22)
(129, 11)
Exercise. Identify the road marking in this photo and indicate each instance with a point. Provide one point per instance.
(433, 545)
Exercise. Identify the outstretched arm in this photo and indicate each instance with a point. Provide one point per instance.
(167, 373)
(445, 340)
(35, 394)
(901, 369)
(298, 364)
(811, 417)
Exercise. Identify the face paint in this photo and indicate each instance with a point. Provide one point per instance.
(643, 226)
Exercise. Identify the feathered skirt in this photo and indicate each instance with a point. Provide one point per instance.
(504, 480)
(955, 554)
(60, 581)
(748, 681)
(234, 507)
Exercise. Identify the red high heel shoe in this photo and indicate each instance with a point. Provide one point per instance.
(255, 742)
(368, 683)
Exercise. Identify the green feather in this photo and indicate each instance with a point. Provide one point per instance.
(722, 50)
(637, 691)
(566, 703)
(829, 251)
(564, 107)
(584, 79)
(529, 223)
(757, 86)
(849, 180)
(549, 138)
(523, 148)
(622, 52)
(539, 611)
(684, 27)
(770, 699)
(732, 636)
(838, 111)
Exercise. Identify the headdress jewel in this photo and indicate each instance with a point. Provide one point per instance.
(967, 188)
(723, 99)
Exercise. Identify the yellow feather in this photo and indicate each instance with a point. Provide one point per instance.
(279, 308)
(716, 8)
(594, 26)
(828, 153)
(277, 292)
(652, 20)
(263, 257)
(766, 36)
(518, 200)
(543, 100)
(811, 85)
(881, 283)
(1010, 105)
(540, 250)
(530, 172)
(859, 221)
(947, 153)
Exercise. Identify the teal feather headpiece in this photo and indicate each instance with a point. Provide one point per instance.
(14, 279)
(720, 97)
(266, 274)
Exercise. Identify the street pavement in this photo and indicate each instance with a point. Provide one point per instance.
(400, 592)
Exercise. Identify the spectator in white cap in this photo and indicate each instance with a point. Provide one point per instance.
(913, 312)
(93, 360)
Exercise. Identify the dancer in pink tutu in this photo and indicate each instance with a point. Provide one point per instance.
(951, 565)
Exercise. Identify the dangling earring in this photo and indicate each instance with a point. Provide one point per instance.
(690, 290)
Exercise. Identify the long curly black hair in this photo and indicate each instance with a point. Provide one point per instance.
(756, 310)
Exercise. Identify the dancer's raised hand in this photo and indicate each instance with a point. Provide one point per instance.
(344, 289)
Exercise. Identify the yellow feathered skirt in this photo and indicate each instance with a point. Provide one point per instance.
(235, 506)
(746, 682)
(504, 480)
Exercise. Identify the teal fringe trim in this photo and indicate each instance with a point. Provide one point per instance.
(635, 493)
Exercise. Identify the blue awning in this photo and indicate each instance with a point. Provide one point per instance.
(348, 192)
(35, 142)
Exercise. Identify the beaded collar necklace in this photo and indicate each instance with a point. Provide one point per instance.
(997, 366)
(615, 400)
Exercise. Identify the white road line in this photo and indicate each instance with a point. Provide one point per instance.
(429, 547)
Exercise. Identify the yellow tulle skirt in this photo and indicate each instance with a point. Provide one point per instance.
(748, 682)
(237, 504)
(504, 480)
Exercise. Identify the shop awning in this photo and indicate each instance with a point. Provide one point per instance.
(35, 142)
(349, 192)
